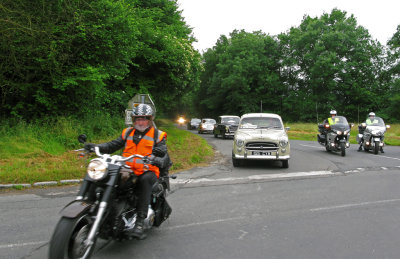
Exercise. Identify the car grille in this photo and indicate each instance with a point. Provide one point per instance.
(261, 146)
(233, 127)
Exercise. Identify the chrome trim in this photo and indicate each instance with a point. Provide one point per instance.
(274, 157)
(99, 216)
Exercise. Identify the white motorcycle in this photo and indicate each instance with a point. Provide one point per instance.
(371, 136)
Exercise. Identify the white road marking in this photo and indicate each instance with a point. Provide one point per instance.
(309, 146)
(23, 244)
(354, 205)
(244, 233)
(389, 157)
(253, 177)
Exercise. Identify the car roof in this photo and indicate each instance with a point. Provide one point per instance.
(224, 116)
(266, 115)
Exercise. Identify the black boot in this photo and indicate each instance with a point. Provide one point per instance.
(360, 148)
(382, 150)
(138, 230)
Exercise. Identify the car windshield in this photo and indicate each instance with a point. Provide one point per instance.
(377, 121)
(260, 123)
(209, 121)
(195, 121)
(230, 120)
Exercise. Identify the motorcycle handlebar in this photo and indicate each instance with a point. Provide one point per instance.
(97, 151)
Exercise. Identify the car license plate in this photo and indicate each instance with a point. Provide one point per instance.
(262, 153)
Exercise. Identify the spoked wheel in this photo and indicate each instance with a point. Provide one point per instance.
(376, 148)
(343, 148)
(69, 239)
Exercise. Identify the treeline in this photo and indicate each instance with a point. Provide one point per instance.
(85, 57)
(327, 62)
(75, 58)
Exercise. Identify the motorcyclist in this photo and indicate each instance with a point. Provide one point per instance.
(369, 121)
(331, 121)
(140, 140)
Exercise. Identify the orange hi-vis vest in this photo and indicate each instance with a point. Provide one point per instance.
(144, 148)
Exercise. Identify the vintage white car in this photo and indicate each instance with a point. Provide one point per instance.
(261, 136)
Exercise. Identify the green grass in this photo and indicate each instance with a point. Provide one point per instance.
(309, 131)
(39, 151)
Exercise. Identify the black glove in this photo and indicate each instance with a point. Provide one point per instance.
(89, 147)
(158, 152)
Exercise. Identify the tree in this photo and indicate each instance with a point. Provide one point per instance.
(240, 72)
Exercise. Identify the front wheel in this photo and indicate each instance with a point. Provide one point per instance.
(235, 162)
(376, 148)
(343, 148)
(69, 239)
(285, 163)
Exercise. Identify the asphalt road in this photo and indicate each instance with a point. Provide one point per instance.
(322, 206)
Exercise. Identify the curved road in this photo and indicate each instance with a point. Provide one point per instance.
(322, 206)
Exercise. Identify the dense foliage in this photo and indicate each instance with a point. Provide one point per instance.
(327, 62)
(75, 57)
(82, 57)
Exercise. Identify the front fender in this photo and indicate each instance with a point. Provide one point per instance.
(75, 209)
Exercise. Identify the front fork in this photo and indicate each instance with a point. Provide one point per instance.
(113, 171)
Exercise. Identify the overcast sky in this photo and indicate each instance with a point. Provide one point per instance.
(212, 18)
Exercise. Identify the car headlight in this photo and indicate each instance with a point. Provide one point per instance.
(239, 142)
(283, 142)
(97, 169)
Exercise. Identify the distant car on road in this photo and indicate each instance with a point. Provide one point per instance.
(206, 125)
(261, 136)
(226, 126)
(193, 124)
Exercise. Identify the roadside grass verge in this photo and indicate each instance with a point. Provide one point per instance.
(38, 151)
(309, 131)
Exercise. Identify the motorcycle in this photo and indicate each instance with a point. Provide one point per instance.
(371, 136)
(105, 206)
(181, 121)
(335, 137)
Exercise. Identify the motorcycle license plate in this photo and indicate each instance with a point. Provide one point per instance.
(262, 153)
(377, 139)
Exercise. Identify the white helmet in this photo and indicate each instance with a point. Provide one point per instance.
(371, 114)
(333, 112)
(143, 110)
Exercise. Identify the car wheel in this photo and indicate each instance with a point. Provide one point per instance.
(215, 135)
(235, 162)
(285, 163)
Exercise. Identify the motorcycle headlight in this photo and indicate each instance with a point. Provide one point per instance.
(283, 142)
(239, 142)
(346, 132)
(339, 132)
(97, 169)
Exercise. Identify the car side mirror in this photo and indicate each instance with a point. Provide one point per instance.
(388, 126)
(82, 138)
(287, 128)
(351, 125)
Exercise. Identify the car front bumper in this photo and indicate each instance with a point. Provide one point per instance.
(262, 157)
